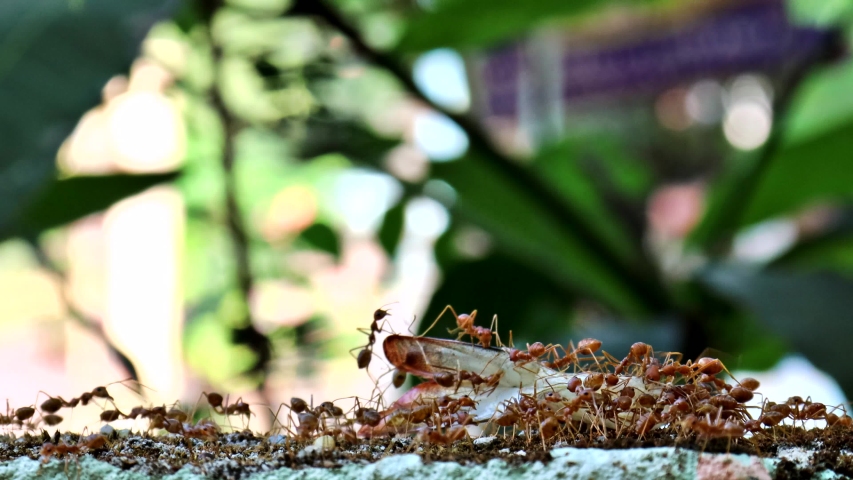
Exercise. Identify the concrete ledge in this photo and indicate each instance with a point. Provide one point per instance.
(567, 463)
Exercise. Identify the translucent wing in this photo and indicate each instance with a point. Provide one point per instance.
(425, 357)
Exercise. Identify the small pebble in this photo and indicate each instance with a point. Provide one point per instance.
(307, 451)
(326, 442)
(484, 440)
(107, 430)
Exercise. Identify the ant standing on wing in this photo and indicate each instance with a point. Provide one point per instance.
(465, 326)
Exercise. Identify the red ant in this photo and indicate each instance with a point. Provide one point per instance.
(533, 352)
(92, 442)
(435, 437)
(54, 404)
(465, 326)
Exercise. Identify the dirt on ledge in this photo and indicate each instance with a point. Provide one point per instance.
(237, 455)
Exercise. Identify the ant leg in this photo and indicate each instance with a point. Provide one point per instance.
(494, 327)
(360, 347)
(225, 412)
(439, 318)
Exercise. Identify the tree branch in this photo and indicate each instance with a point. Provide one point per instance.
(76, 314)
(245, 334)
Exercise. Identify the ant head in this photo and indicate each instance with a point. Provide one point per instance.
(101, 392)
(381, 312)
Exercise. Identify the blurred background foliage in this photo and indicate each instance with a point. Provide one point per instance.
(672, 172)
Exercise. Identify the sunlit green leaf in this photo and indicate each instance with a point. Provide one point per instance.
(825, 13)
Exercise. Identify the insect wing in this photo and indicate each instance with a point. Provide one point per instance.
(425, 357)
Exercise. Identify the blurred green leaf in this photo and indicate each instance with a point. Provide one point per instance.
(813, 163)
(825, 13)
(830, 251)
(64, 201)
(475, 23)
(522, 228)
(817, 169)
(208, 263)
(55, 57)
(391, 230)
(813, 311)
(322, 236)
(823, 103)
(528, 303)
(209, 351)
(759, 348)
(323, 136)
(561, 165)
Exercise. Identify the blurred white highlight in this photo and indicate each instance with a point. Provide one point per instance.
(704, 102)
(749, 113)
(363, 197)
(440, 74)
(765, 241)
(144, 307)
(794, 375)
(426, 218)
(146, 131)
(438, 137)
(747, 125)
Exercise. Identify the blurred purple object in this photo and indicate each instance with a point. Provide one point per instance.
(753, 36)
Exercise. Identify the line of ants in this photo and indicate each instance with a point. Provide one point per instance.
(49, 408)
(688, 398)
(640, 354)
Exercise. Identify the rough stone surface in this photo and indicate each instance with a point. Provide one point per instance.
(565, 463)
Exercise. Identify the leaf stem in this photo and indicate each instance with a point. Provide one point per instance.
(246, 333)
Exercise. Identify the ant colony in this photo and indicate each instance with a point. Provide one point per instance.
(542, 394)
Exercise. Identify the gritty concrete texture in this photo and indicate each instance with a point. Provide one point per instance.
(566, 463)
